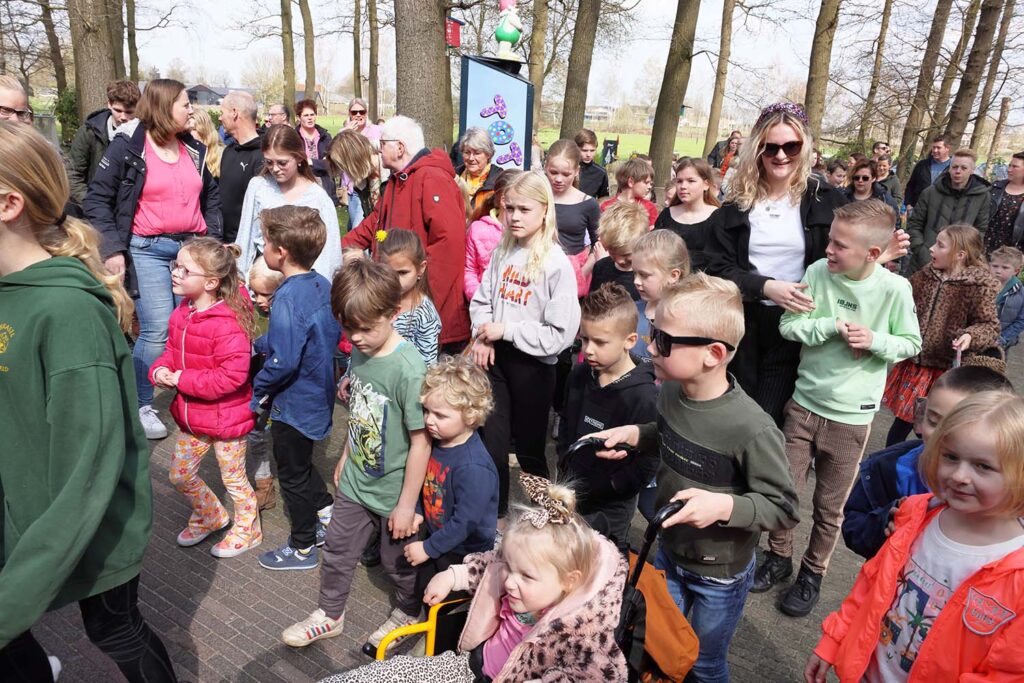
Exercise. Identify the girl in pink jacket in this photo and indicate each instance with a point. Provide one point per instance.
(484, 233)
(207, 358)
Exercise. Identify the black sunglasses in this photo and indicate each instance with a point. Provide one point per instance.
(790, 149)
(358, 112)
(663, 342)
(862, 177)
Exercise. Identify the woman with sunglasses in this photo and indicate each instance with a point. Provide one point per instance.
(358, 120)
(864, 185)
(774, 223)
(286, 180)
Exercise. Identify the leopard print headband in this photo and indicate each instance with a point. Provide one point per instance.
(546, 510)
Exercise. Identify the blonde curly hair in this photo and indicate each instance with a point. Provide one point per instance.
(463, 385)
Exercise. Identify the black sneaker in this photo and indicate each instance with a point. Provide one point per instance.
(371, 555)
(773, 568)
(800, 598)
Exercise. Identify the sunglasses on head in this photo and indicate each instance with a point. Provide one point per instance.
(663, 342)
(790, 149)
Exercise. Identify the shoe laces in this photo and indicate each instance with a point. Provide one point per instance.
(805, 586)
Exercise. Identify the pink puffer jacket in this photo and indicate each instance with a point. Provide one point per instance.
(213, 353)
(481, 241)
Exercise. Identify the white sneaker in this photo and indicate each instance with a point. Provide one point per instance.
(316, 626)
(151, 424)
(55, 666)
(396, 619)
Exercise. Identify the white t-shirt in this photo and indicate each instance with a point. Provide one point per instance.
(936, 568)
(777, 248)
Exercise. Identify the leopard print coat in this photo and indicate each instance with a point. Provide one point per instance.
(946, 309)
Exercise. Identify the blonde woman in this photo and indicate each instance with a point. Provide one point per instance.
(206, 133)
(353, 157)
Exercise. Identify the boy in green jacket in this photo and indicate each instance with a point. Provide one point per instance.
(863, 320)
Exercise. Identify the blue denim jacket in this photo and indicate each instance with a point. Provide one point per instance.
(298, 375)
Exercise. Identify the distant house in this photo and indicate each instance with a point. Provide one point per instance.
(205, 96)
(321, 104)
(598, 113)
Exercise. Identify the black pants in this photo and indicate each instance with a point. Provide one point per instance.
(898, 432)
(302, 487)
(611, 519)
(114, 624)
(523, 387)
(765, 364)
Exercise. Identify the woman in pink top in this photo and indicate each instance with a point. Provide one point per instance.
(151, 192)
(359, 122)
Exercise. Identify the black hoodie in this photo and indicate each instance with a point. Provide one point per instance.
(589, 407)
(239, 164)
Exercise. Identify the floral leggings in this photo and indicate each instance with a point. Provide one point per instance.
(208, 514)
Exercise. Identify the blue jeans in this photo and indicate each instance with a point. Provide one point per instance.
(151, 257)
(355, 210)
(713, 607)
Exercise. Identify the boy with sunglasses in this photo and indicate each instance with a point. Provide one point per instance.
(720, 453)
(864, 320)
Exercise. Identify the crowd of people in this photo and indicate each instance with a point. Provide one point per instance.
(717, 349)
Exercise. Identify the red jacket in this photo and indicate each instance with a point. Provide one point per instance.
(213, 353)
(425, 199)
(977, 636)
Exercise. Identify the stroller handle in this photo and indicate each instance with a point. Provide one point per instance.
(652, 532)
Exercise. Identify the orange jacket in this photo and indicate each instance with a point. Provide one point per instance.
(978, 636)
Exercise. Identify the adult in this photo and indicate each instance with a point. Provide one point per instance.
(315, 141)
(422, 196)
(152, 192)
(286, 179)
(958, 196)
(93, 136)
(886, 176)
(241, 161)
(279, 114)
(927, 171)
(863, 186)
(1006, 223)
(205, 132)
(593, 178)
(358, 121)
(717, 153)
(835, 173)
(353, 156)
(13, 101)
(878, 149)
(476, 170)
(732, 148)
(692, 211)
(75, 465)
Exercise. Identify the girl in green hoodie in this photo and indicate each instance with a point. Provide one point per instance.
(74, 475)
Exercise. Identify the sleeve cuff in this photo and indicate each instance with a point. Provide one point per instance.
(461, 573)
(510, 329)
(742, 513)
(827, 648)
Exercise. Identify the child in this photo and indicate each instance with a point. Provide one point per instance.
(460, 492)
(862, 321)
(941, 599)
(634, 180)
(956, 308)
(890, 475)
(1004, 263)
(691, 214)
(484, 232)
(524, 314)
(660, 259)
(75, 462)
(545, 604)
(621, 226)
(296, 383)
(263, 282)
(720, 452)
(593, 178)
(381, 471)
(209, 347)
(577, 213)
(609, 389)
(417, 321)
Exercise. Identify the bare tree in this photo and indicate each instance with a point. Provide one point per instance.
(154, 19)
(421, 68)
(993, 73)
(371, 81)
(132, 35)
(940, 108)
(357, 52)
(537, 36)
(53, 40)
(721, 74)
(26, 42)
(876, 74)
(308, 45)
(673, 86)
(115, 24)
(971, 80)
(288, 52)
(821, 58)
(574, 103)
(94, 54)
(1004, 111)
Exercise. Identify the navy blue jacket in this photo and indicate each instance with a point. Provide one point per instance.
(298, 373)
(867, 510)
(1011, 313)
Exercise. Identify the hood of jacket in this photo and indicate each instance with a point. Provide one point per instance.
(68, 273)
(976, 185)
(641, 375)
(97, 121)
(426, 158)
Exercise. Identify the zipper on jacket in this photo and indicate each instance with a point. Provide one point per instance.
(184, 398)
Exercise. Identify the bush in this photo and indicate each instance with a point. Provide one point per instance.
(215, 117)
(66, 113)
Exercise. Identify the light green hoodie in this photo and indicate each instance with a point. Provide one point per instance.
(74, 464)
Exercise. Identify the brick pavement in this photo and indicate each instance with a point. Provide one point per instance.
(221, 619)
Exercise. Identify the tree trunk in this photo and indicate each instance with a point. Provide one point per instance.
(673, 87)
(357, 52)
(288, 50)
(93, 53)
(940, 109)
(911, 129)
(309, 45)
(721, 73)
(876, 74)
(371, 82)
(480, 32)
(971, 80)
(133, 45)
(56, 58)
(821, 57)
(1004, 111)
(3, 47)
(993, 73)
(115, 22)
(422, 91)
(538, 37)
(574, 103)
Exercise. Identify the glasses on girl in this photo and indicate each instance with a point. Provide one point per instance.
(663, 342)
(177, 267)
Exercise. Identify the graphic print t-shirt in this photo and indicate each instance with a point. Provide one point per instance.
(936, 568)
(384, 407)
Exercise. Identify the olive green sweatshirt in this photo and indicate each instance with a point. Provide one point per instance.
(74, 464)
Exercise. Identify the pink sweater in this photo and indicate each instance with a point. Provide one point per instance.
(481, 241)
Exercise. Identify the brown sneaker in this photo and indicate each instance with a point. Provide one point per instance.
(266, 497)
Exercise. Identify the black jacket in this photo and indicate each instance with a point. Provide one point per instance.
(589, 407)
(239, 164)
(998, 191)
(726, 250)
(717, 154)
(86, 151)
(920, 178)
(878, 191)
(593, 180)
(941, 205)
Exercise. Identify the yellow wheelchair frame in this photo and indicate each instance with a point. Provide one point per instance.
(437, 613)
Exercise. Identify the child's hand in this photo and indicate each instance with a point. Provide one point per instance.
(172, 379)
(858, 336)
(439, 587)
(417, 519)
(816, 669)
(343, 389)
(161, 376)
(483, 354)
(415, 553)
(491, 332)
(703, 508)
(400, 522)
(626, 434)
(962, 343)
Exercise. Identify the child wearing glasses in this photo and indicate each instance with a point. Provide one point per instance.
(863, 321)
(720, 453)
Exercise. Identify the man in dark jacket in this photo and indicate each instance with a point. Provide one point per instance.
(927, 171)
(958, 196)
(242, 160)
(95, 134)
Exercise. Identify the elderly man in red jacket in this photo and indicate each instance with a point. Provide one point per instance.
(421, 195)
